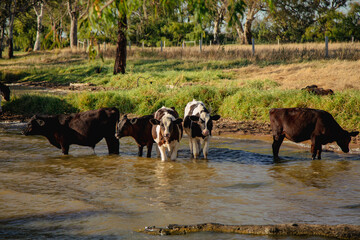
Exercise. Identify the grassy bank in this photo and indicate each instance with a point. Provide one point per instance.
(152, 83)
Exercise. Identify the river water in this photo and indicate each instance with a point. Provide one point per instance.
(88, 195)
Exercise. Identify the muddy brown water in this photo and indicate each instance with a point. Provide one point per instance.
(44, 194)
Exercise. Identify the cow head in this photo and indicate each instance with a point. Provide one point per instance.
(344, 140)
(5, 92)
(124, 127)
(36, 126)
(205, 122)
(167, 124)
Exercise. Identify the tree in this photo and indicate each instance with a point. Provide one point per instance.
(293, 17)
(15, 7)
(244, 29)
(76, 10)
(39, 16)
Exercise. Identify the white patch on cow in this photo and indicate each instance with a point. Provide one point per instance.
(166, 121)
(157, 140)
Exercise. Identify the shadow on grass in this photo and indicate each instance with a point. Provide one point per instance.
(29, 105)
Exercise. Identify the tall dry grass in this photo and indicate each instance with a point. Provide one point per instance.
(270, 53)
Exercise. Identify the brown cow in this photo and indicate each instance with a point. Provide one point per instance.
(85, 129)
(167, 131)
(139, 129)
(5, 92)
(300, 124)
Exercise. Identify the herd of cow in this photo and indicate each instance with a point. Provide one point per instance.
(165, 128)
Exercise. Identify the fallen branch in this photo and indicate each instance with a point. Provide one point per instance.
(342, 231)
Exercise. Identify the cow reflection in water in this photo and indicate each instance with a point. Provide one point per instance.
(317, 174)
(85, 129)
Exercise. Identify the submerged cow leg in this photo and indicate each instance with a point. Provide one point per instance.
(65, 149)
(149, 148)
(163, 153)
(112, 144)
(206, 146)
(174, 150)
(278, 139)
(140, 150)
(196, 147)
(316, 148)
(191, 146)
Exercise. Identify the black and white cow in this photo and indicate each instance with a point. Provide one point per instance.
(167, 131)
(198, 126)
(5, 92)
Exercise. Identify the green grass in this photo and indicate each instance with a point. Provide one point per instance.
(151, 84)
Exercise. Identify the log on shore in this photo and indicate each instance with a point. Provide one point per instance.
(342, 231)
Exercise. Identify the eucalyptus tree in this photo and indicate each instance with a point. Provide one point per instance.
(293, 17)
(217, 12)
(12, 9)
(243, 25)
(119, 11)
(39, 11)
(55, 13)
(77, 9)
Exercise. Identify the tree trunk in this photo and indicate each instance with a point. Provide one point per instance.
(250, 16)
(11, 36)
(39, 16)
(145, 10)
(240, 31)
(216, 31)
(73, 13)
(2, 28)
(120, 60)
(342, 231)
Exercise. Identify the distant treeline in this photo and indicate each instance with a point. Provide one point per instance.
(34, 24)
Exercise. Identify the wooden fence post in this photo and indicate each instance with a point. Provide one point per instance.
(142, 45)
(161, 45)
(253, 46)
(200, 43)
(129, 45)
(326, 46)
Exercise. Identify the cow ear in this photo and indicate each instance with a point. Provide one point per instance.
(154, 121)
(354, 134)
(194, 118)
(133, 121)
(40, 122)
(215, 117)
(178, 121)
(173, 108)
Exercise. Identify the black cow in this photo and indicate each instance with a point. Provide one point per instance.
(139, 129)
(300, 124)
(5, 92)
(85, 129)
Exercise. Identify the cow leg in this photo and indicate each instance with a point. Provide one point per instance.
(319, 151)
(278, 139)
(191, 146)
(140, 150)
(149, 148)
(174, 151)
(163, 152)
(112, 144)
(65, 149)
(196, 148)
(206, 147)
(315, 148)
(157, 151)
